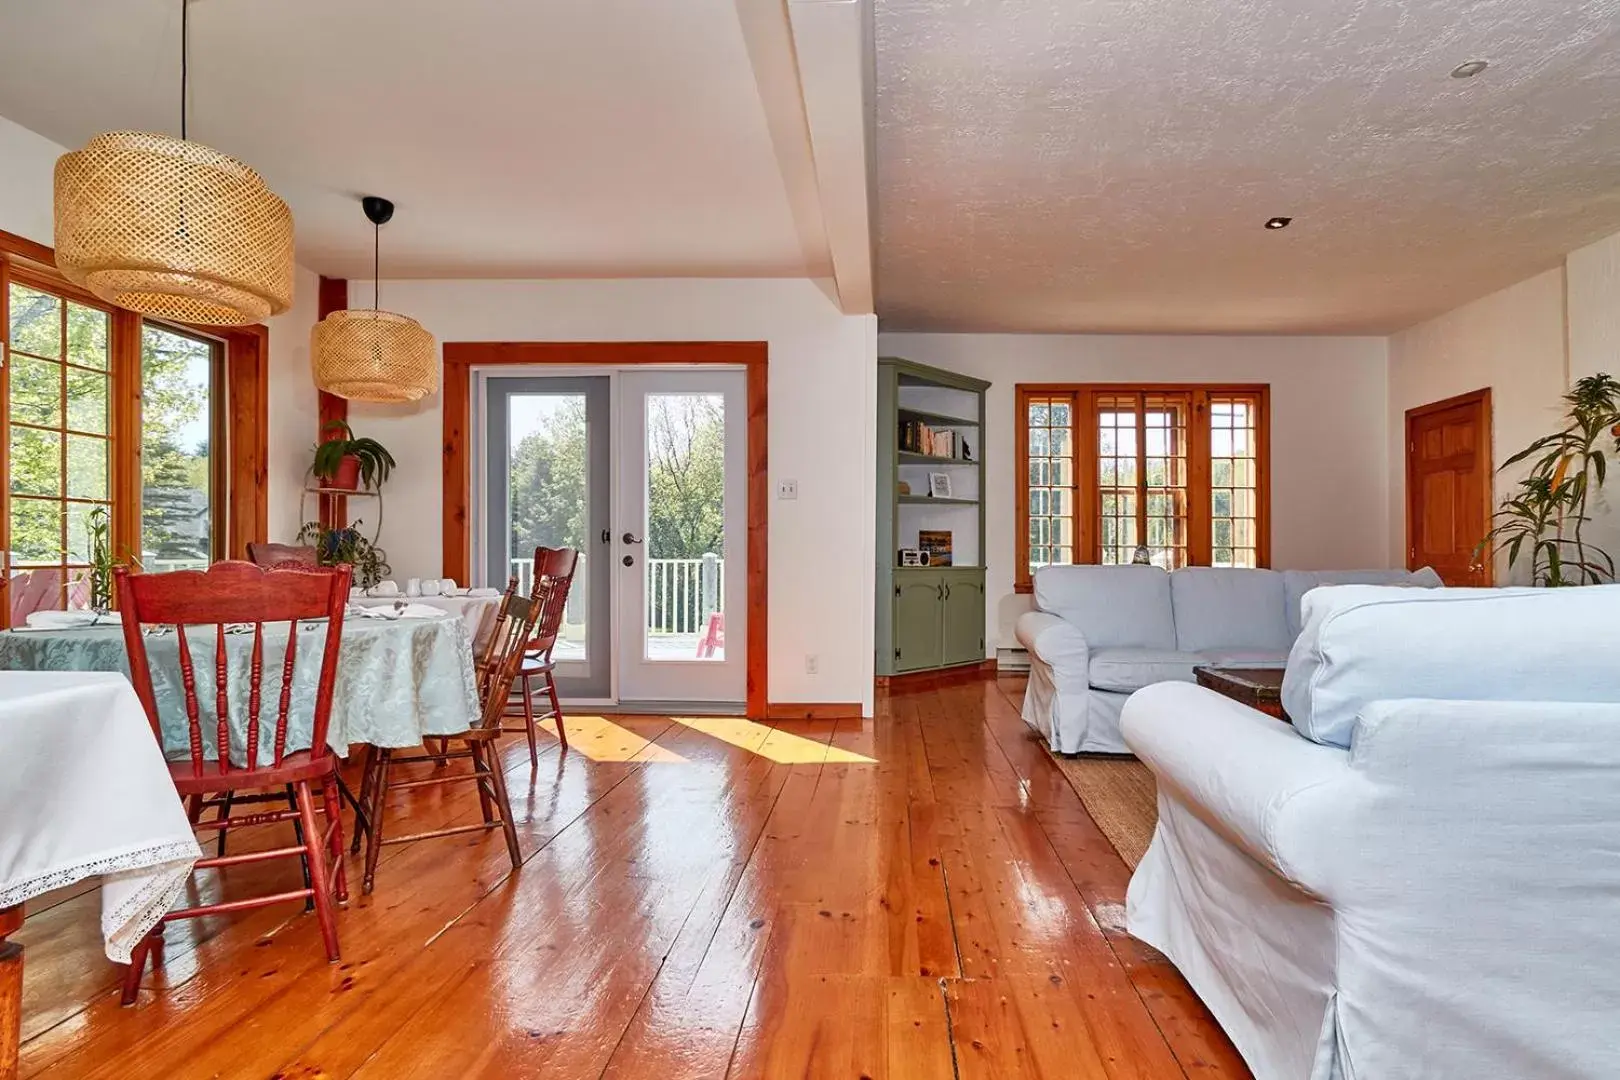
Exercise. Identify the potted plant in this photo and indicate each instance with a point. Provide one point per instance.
(98, 526)
(347, 546)
(346, 463)
(1546, 515)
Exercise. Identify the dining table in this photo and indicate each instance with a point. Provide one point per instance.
(399, 679)
(84, 792)
(476, 611)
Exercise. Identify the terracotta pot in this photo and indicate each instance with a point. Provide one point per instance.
(347, 477)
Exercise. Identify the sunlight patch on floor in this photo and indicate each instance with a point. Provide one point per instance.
(600, 739)
(779, 746)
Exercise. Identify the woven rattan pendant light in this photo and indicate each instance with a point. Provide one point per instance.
(171, 228)
(374, 355)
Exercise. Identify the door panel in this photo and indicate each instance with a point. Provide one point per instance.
(919, 621)
(1448, 485)
(964, 619)
(679, 536)
(547, 484)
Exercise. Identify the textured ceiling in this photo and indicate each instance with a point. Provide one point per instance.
(601, 138)
(1107, 165)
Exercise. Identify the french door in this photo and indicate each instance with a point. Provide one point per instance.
(644, 472)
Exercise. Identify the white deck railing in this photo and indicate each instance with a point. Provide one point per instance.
(681, 593)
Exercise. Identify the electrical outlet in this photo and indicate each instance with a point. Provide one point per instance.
(787, 489)
(812, 664)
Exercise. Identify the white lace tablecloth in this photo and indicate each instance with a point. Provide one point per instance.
(476, 612)
(84, 791)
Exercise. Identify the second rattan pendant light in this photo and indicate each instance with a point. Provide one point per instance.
(374, 355)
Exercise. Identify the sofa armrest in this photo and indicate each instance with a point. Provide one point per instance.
(1243, 773)
(1056, 643)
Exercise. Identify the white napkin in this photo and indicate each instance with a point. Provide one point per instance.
(483, 592)
(400, 610)
(71, 620)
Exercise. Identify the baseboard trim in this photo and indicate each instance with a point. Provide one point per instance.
(960, 672)
(813, 710)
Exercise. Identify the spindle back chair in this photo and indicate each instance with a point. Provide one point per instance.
(553, 578)
(232, 600)
(514, 629)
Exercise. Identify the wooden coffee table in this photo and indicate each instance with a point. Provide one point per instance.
(1257, 687)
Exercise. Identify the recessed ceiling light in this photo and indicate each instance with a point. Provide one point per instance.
(1278, 222)
(1468, 69)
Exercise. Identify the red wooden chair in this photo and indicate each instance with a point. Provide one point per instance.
(268, 555)
(38, 590)
(238, 594)
(514, 628)
(553, 577)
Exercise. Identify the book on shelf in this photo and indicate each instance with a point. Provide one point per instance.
(917, 437)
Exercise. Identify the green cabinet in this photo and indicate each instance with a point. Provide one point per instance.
(919, 620)
(930, 486)
(963, 604)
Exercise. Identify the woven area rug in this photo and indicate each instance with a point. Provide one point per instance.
(1120, 796)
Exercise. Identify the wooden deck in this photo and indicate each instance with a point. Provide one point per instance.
(917, 896)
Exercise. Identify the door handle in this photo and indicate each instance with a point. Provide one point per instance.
(631, 538)
(947, 591)
(607, 536)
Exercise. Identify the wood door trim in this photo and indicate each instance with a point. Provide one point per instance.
(1482, 457)
(461, 357)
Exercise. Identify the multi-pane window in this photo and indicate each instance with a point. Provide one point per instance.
(1174, 475)
(1051, 484)
(60, 433)
(80, 393)
(1234, 481)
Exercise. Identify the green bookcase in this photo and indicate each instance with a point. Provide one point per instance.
(929, 617)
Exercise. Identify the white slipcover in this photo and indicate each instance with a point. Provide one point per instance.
(1364, 642)
(1437, 902)
(1091, 619)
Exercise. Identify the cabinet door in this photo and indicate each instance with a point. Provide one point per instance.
(964, 619)
(919, 622)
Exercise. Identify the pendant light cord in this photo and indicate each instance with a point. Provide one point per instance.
(376, 266)
(185, 53)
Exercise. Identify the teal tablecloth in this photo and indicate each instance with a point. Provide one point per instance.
(397, 680)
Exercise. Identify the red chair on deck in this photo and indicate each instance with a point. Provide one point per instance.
(239, 596)
(553, 577)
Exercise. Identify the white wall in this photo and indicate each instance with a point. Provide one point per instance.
(1511, 341)
(1329, 403)
(1593, 306)
(822, 419)
(27, 165)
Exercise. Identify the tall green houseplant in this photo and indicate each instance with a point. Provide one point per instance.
(1545, 517)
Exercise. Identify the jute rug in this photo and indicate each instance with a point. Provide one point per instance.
(1120, 796)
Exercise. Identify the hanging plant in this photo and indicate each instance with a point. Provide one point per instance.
(348, 463)
(1544, 519)
(347, 546)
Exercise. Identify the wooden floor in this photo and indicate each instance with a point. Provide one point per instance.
(919, 895)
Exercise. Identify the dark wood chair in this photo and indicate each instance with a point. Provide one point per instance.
(268, 555)
(514, 629)
(553, 577)
(239, 595)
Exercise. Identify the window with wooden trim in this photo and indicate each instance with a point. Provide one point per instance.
(152, 432)
(1108, 473)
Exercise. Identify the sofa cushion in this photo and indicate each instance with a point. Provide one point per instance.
(1131, 669)
(1221, 608)
(1365, 643)
(1112, 606)
(1296, 583)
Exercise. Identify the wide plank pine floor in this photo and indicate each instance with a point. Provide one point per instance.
(919, 895)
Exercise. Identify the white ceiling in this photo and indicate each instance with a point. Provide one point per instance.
(566, 138)
(1106, 165)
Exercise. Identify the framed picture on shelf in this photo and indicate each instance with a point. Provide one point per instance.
(936, 545)
(939, 485)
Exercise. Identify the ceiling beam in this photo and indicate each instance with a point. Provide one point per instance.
(832, 43)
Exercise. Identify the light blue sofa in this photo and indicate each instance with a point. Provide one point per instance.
(1100, 633)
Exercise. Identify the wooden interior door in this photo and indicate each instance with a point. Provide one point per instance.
(1448, 487)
